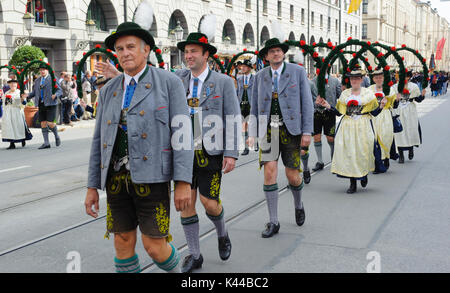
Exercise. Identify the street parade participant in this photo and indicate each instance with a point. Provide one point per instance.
(383, 125)
(411, 136)
(324, 119)
(211, 96)
(282, 118)
(47, 102)
(244, 93)
(353, 156)
(135, 108)
(14, 127)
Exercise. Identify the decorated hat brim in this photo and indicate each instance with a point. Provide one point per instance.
(110, 41)
(264, 50)
(211, 49)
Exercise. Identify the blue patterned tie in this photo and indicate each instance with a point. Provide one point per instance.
(246, 80)
(275, 82)
(42, 90)
(131, 87)
(195, 89)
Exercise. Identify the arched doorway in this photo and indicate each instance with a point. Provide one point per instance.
(265, 35)
(228, 31)
(103, 13)
(248, 37)
(55, 13)
(177, 18)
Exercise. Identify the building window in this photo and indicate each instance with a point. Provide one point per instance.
(312, 18)
(96, 13)
(345, 28)
(365, 5)
(351, 30)
(356, 32)
(321, 21)
(303, 15)
(292, 12)
(329, 24)
(264, 6)
(248, 4)
(279, 8)
(229, 2)
(337, 25)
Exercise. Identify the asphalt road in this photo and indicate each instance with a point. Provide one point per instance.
(400, 222)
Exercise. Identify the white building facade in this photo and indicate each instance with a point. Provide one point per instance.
(63, 34)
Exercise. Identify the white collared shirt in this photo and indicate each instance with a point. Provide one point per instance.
(279, 71)
(247, 78)
(201, 79)
(127, 79)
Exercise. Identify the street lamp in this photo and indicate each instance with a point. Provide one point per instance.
(178, 31)
(227, 41)
(28, 20)
(248, 42)
(90, 27)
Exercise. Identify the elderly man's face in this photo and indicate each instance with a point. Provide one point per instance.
(130, 54)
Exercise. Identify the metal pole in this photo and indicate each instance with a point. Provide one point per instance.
(257, 25)
(125, 10)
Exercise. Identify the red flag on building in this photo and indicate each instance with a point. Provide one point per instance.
(440, 49)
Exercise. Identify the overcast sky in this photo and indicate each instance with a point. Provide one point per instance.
(443, 7)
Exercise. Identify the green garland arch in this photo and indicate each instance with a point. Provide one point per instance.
(422, 60)
(345, 63)
(27, 67)
(12, 69)
(159, 57)
(307, 50)
(398, 58)
(110, 54)
(216, 59)
(235, 57)
(340, 48)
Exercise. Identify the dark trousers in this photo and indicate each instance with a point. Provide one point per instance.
(66, 109)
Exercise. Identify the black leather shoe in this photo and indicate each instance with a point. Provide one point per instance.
(44, 146)
(364, 181)
(245, 152)
(190, 264)
(401, 158)
(352, 188)
(58, 141)
(23, 143)
(11, 146)
(307, 176)
(319, 166)
(271, 229)
(224, 247)
(411, 154)
(386, 163)
(300, 216)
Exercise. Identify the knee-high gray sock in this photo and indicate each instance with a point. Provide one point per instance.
(55, 131)
(331, 144)
(245, 139)
(170, 265)
(219, 222)
(318, 147)
(305, 159)
(45, 135)
(191, 232)
(271, 192)
(129, 265)
(297, 193)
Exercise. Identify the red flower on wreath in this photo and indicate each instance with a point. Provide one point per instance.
(330, 44)
(315, 55)
(256, 52)
(406, 70)
(424, 60)
(78, 62)
(203, 40)
(348, 69)
(341, 50)
(334, 47)
(393, 48)
(403, 46)
(98, 46)
(318, 71)
(369, 68)
(314, 43)
(354, 55)
(302, 43)
(245, 50)
(346, 80)
(369, 43)
(380, 55)
(56, 86)
(379, 95)
(216, 56)
(391, 83)
(84, 53)
(161, 64)
(405, 92)
(158, 51)
(108, 50)
(8, 96)
(387, 68)
(352, 103)
(349, 38)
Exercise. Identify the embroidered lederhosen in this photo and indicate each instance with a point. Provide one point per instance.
(245, 104)
(129, 204)
(288, 145)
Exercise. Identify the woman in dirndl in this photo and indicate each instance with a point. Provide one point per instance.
(355, 140)
(14, 127)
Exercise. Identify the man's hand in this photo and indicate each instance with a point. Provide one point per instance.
(318, 100)
(424, 91)
(306, 140)
(107, 69)
(92, 200)
(24, 96)
(53, 97)
(228, 164)
(182, 195)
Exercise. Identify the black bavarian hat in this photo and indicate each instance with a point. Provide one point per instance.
(129, 29)
(248, 63)
(198, 39)
(272, 43)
